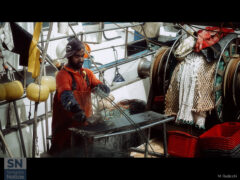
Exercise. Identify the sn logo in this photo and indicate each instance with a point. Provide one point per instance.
(15, 163)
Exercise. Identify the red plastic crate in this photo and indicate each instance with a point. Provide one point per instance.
(182, 144)
(225, 136)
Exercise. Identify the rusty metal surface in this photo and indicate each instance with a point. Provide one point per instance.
(119, 124)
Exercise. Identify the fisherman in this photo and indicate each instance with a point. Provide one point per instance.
(72, 102)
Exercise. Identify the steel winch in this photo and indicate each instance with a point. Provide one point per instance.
(226, 86)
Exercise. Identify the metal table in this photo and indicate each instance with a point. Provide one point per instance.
(121, 126)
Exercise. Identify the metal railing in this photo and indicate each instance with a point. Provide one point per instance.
(91, 32)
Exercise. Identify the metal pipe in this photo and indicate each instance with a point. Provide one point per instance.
(187, 31)
(139, 35)
(99, 37)
(20, 130)
(48, 58)
(126, 43)
(24, 78)
(5, 144)
(5, 101)
(45, 52)
(105, 37)
(15, 70)
(91, 32)
(145, 36)
(81, 37)
(120, 62)
(46, 118)
(133, 130)
(45, 141)
(34, 130)
(146, 144)
(36, 103)
(114, 46)
(51, 100)
(107, 48)
(165, 140)
(23, 124)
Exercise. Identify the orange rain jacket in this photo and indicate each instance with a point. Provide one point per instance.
(62, 119)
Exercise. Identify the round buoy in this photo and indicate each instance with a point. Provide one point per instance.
(34, 94)
(14, 90)
(2, 92)
(50, 82)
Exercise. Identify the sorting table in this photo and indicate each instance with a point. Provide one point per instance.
(120, 126)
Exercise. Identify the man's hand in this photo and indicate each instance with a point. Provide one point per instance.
(80, 116)
(101, 90)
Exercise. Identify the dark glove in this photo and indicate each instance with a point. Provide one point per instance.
(102, 90)
(69, 102)
(80, 116)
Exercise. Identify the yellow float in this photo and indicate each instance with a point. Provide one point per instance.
(34, 94)
(2, 92)
(50, 82)
(14, 90)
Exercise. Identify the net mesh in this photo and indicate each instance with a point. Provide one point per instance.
(203, 92)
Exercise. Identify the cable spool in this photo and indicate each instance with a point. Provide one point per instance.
(161, 70)
(220, 77)
(235, 84)
(229, 80)
(237, 87)
(156, 66)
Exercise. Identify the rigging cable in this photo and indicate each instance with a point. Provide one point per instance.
(136, 127)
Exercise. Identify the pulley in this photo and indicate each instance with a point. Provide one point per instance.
(144, 67)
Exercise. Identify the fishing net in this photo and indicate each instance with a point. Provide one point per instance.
(129, 106)
(203, 92)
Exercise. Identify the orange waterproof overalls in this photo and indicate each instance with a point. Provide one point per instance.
(62, 119)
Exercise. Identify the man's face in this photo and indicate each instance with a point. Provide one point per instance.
(77, 59)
